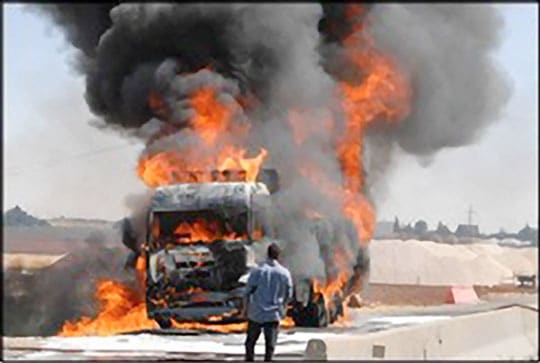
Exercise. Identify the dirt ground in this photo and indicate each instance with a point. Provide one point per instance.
(56, 240)
(42, 248)
(386, 294)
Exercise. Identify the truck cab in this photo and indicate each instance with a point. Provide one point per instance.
(200, 248)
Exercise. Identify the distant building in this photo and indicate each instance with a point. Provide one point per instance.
(407, 230)
(384, 229)
(467, 230)
(528, 234)
(420, 228)
(443, 230)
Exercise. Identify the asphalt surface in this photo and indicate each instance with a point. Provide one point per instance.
(178, 345)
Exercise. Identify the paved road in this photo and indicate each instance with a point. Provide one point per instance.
(291, 343)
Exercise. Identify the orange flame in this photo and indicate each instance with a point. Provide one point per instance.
(121, 311)
(170, 167)
(383, 94)
(233, 159)
(203, 230)
(212, 117)
(331, 288)
(213, 120)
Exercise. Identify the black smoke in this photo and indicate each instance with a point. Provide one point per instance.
(283, 57)
(446, 49)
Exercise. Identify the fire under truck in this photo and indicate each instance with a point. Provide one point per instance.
(203, 239)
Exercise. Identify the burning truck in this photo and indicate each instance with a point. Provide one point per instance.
(330, 93)
(202, 240)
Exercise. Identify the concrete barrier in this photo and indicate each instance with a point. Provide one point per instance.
(509, 333)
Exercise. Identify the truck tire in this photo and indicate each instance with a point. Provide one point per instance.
(320, 315)
(314, 314)
(336, 310)
(164, 323)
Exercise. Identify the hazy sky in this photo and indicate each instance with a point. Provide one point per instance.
(56, 164)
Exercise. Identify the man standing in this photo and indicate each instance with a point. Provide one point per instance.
(269, 289)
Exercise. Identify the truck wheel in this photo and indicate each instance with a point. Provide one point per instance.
(164, 323)
(313, 315)
(321, 315)
(337, 311)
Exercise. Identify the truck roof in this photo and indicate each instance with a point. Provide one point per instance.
(208, 196)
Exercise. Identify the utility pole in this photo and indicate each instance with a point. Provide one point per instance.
(470, 213)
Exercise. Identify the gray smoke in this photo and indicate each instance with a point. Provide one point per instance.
(39, 302)
(448, 52)
(260, 47)
(274, 51)
(283, 57)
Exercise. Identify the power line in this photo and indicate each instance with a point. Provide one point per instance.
(53, 163)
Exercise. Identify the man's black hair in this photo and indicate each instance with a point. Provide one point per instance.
(274, 251)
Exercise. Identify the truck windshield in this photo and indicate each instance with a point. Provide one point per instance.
(197, 226)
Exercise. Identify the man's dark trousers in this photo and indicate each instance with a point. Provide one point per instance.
(270, 338)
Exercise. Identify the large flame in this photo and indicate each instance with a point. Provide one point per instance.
(381, 93)
(208, 149)
(203, 230)
(122, 309)
(384, 94)
(212, 117)
(170, 167)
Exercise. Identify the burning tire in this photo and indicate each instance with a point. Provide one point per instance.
(311, 314)
(336, 309)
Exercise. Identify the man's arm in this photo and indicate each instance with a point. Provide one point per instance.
(252, 282)
(288, 293)
(251, 286)
(289, 288)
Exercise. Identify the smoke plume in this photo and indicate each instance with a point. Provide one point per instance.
(448, 52)
(282, 70)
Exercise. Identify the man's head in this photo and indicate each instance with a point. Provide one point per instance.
(274, 251)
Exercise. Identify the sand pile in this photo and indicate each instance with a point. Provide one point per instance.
(430, 263)
(27, 261)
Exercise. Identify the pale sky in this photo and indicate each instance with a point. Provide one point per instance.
(51, 167)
